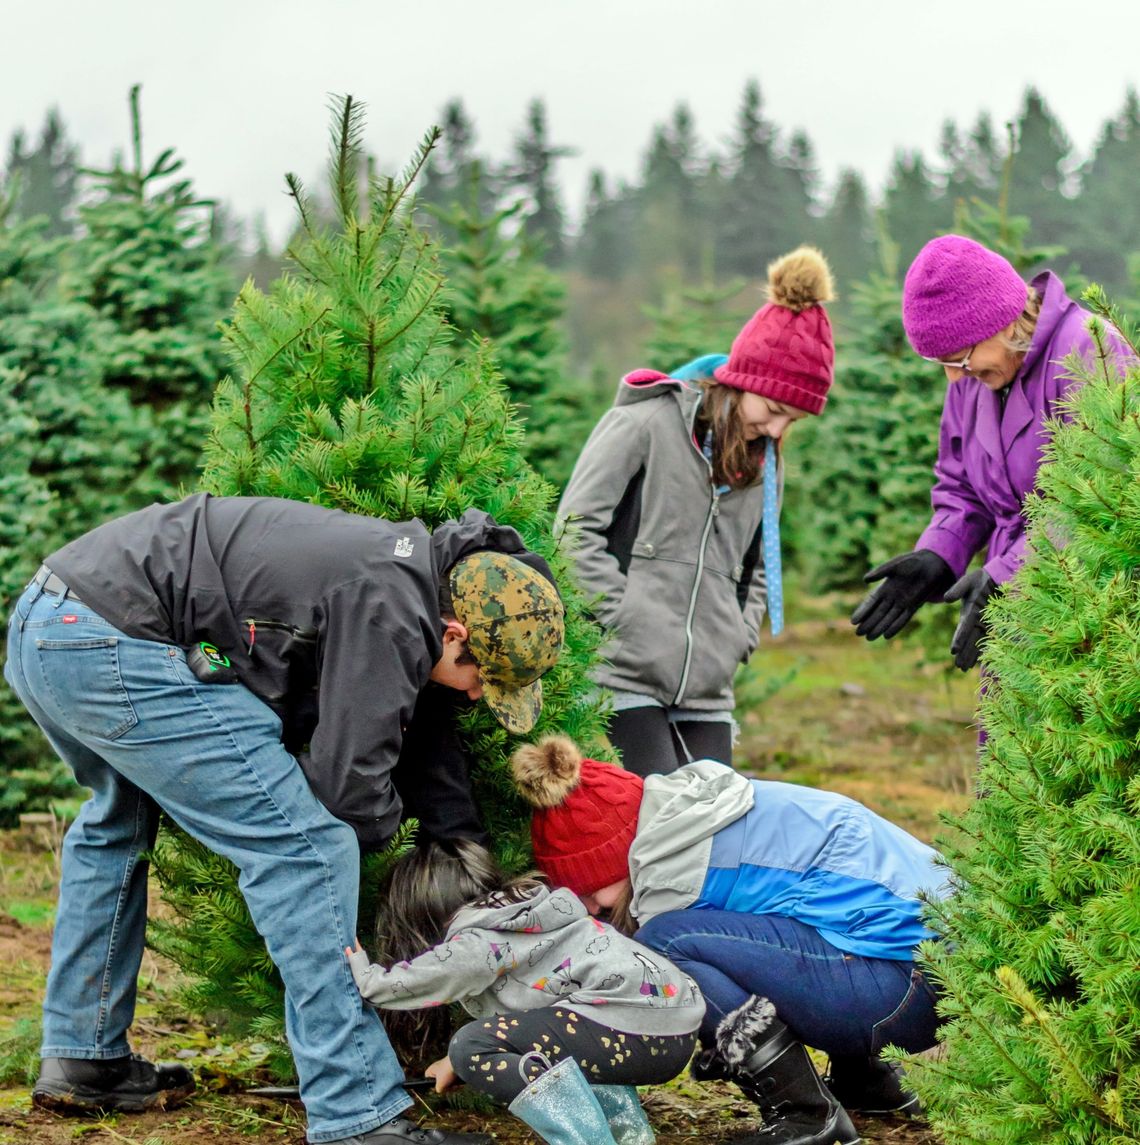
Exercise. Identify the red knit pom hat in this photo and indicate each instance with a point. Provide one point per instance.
(786, 351)
(585, 814)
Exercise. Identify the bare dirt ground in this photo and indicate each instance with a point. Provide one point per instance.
(870, 721)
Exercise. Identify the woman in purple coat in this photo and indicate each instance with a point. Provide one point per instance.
(1003, 345)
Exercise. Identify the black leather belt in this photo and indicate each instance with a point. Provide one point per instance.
(52, 585)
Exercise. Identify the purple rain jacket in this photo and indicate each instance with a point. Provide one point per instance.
(988, 457)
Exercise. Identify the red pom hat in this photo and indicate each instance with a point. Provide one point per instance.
(585, 814)
(786, 351)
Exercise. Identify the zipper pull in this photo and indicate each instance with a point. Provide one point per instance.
(252, 633)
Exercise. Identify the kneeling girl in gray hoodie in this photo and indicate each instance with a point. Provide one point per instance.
(561, 1000)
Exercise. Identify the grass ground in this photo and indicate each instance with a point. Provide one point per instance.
(868, 720)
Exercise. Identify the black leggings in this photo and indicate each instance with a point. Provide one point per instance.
(651, 745)
(487, 1054)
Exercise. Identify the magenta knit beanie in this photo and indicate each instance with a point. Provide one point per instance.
(958, 293)
(786, 351)
(585, 814)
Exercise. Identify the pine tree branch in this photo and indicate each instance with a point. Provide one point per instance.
(410, 174)
(247, 387)
(348, 131)
(415, 317)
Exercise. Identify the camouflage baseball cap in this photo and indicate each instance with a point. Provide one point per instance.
(513, 617)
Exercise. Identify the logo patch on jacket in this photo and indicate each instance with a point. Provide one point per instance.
(404, 547)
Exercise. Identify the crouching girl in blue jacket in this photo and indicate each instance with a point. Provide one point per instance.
(796, 911)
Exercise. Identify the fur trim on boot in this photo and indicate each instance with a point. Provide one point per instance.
(740, 1032)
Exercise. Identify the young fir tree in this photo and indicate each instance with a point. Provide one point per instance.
(751, 224)
(1041, 959)
(69, 449)
(498, 290)
(344, 392)
(693, 320)
(870, 456)
(147, 266)
(45, 177)
(914, 208)
(1107, 212)
(1042, 170)
(605, 247)
(531, 173)
(846, 234)
(671, 231)
(31, 776)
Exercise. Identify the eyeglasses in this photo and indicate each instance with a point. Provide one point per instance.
(963, 365)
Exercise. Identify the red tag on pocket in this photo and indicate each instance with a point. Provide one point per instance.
(70, 618)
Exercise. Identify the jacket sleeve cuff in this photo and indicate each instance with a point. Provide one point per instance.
(1001, 569)
(949, 546)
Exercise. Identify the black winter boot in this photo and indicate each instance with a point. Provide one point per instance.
(775, 1072)
(91, 1085)
(868, 1085)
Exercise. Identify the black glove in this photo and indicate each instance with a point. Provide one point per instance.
(908, 581)
(973, 590)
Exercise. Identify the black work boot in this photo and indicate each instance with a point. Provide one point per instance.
(401, 1131)
(92, 1085)
(868, 1085)
(775, 1072)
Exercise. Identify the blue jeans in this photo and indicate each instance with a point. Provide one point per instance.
(843, 1004)
(138, 728)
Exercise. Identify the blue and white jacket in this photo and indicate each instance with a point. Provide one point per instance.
(710, 839)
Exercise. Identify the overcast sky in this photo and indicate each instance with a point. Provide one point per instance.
(240, 88)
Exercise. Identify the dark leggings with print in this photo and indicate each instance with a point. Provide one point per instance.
(487, 1054)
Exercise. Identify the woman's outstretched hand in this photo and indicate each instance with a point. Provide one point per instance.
(909, 581)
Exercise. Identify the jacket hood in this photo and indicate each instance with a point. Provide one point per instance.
(645, 385)
(680, 813)
(474, 530)
(544, 911)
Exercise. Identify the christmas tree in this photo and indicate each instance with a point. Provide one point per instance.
(30, 774)
(68, 448)
(859, 476)
(344, 391)
(498, 290)
(694, 320)
(148, 268)
(108, 357)
(1040, 961)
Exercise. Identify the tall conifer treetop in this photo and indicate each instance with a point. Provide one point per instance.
(1042, 964)
(343, 392)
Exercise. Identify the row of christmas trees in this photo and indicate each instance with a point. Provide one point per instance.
(109, 356)
(346, 386)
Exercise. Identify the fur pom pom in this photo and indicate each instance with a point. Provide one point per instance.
(800, 279)
(740, 1031)
(547, 771)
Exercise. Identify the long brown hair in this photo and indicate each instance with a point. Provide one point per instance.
(736, 461)
(619, 916)
(426, 887)
(418, 898)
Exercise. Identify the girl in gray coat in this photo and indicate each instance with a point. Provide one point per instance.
(569, 1013)
(674, 511)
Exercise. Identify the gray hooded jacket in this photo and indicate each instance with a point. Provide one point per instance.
(675, 567)
(526, 955)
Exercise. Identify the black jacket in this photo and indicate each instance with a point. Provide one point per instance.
(331, 618)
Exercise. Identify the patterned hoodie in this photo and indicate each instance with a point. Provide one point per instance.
(530, 954)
